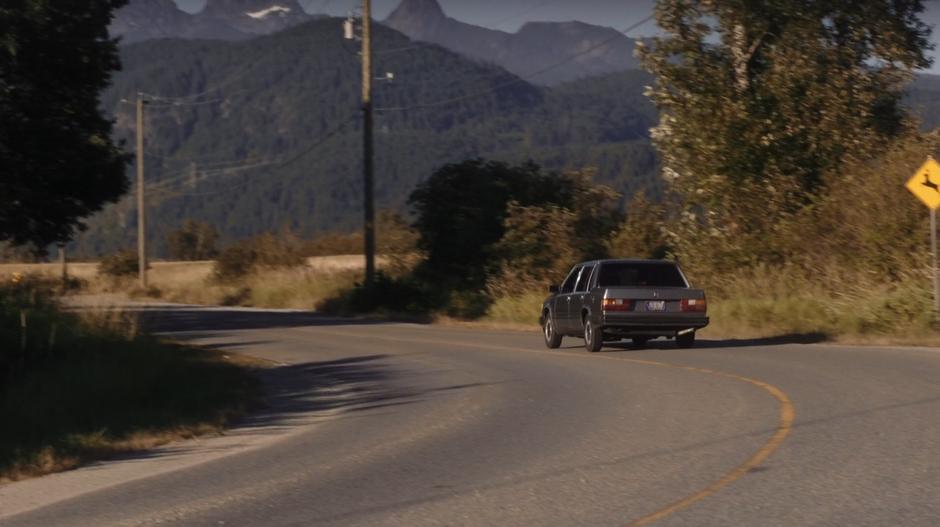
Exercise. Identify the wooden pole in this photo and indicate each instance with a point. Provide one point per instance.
(367, 142)
(63, 263)
(933, 256)
(141, 216)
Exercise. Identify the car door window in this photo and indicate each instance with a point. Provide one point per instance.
(584, 279)
(568, 286)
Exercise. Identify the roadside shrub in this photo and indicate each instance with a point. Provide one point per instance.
(536, 250)
(82, 385)
(32, 331)
(460, 212)
(644, 233)
(264, 251)
(10, 253)
(387, 295)
(233, 263)
(119, 265)
(194, 240)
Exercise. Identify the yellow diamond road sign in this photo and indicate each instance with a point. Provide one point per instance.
(925, 184)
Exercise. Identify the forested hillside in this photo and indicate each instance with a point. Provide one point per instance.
(265, 134)
(260, 135)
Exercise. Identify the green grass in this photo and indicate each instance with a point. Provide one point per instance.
(97, 389)
(523, 309)
(779, 303)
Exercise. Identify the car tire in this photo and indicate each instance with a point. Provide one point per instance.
(550, 332)
(640, 342)
(686, 341)
(593, 337)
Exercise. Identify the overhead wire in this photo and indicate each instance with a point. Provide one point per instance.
(280, 164)
(244, 73)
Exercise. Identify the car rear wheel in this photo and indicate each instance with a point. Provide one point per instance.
(593, 339)
(686, 341)
(552, 337)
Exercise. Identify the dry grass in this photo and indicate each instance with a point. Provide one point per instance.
(192, 283)
(522, 310)
(103, 389)
(771, 302)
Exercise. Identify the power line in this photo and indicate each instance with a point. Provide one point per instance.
(178, 104)
(244, 73)
(202, 161)
(182, 175)
(276, 164)
(168, 102)
(524, 78)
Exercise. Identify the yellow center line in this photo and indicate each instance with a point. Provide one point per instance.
(787, 413)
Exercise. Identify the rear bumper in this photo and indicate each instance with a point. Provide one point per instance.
(657, 325)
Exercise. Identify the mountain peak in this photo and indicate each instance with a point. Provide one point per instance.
(240, 6)
(418, 11)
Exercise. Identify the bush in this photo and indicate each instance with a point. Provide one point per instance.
(233, 263)
(121, 264)
(643, 233)
(266, 250)
(387, 295)
(536, 250)
(77, 386)
(193, 241)
(460, 212)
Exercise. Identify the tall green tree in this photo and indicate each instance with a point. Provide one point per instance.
(460, 212)
(761, 99)
(58, 163)
(474, 218)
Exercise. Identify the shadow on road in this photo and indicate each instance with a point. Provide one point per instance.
(794, 338)
(304, 394)
(181, 319)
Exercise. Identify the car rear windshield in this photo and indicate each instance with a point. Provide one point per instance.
(625, 274)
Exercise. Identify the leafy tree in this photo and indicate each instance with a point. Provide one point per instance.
(482, 219)
(643, 233)
(194, 240)
(460, 212)
(537, 249)
(760, 99)
(57, 160)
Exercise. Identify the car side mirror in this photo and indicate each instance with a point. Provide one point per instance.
(553, 289)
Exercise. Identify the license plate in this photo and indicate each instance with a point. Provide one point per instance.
(656, 305)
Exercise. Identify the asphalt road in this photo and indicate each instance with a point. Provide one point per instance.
(408, 425)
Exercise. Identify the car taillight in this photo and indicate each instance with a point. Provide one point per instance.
(618, 304)
(694, 305)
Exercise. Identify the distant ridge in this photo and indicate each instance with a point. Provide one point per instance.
(142, 20)
(535, 47)
(275, 142)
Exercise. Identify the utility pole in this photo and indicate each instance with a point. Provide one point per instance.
(367, 123)
(933, 263)
(141, 216)
(63, 264)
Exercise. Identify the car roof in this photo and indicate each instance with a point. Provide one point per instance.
(628, 261)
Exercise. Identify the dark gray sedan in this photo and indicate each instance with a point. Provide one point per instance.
(610, 300)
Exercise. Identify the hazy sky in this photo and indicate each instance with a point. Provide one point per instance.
(508, 15)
